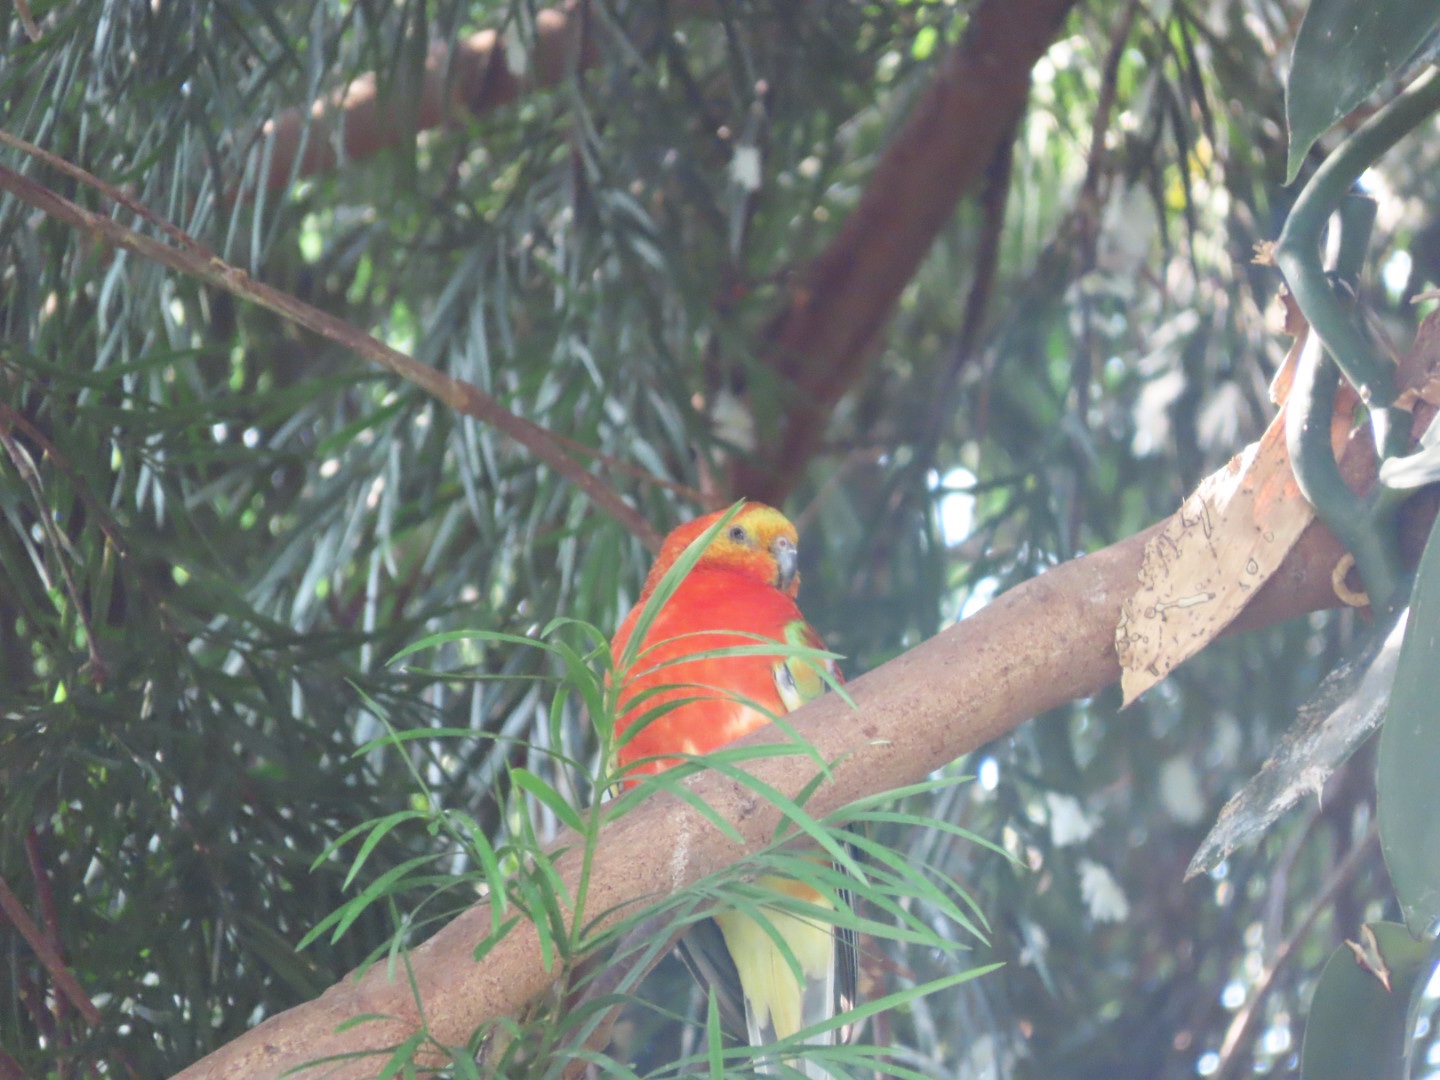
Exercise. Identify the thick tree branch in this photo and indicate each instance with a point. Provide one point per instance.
(190, 257)
(821, 344)
(473, 76)
(1041, 644)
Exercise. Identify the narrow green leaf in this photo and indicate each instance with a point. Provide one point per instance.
(345, 915)
(380, 830)
(432, 640)
(536, 901)
(669, 781)
(898, 999)
(581, 677)
(494, 938)
(557, 803)
(666, 589)
(350, 1023)
(403, 1056)
(463, 1062)
(791, 813)
(593, 632)
(714, 1040)
(604, 1064)
(484, 851)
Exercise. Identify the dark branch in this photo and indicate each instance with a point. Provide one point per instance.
(822, 343)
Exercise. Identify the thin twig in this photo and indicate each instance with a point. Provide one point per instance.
(64, 981)
(994, 198)
(27, 20)
(863, 455)
(45, 894)
(99, 512)
(627, 963)
(635, 472)
(110, 191)
(824, 338)
(461, 396)
(1273, 920)
(1105, 100)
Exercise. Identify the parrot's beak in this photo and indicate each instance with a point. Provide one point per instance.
(787, 562)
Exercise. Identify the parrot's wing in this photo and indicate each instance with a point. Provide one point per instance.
(703, 951)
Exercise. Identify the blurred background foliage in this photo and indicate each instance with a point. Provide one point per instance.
(215, 529)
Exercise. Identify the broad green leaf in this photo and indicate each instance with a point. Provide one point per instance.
(1358, 1026)
(1408, 799)
(1345, 51)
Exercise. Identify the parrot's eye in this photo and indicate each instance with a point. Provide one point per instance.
(739, 535)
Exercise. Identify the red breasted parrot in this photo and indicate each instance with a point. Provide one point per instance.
(742, 587)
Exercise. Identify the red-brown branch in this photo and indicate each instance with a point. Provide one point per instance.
(473, 76)
(65, 983)
(822, 343)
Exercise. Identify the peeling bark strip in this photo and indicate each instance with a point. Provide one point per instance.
(475, 77)
(822, 343)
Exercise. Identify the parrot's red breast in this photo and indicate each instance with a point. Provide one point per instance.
(742, 587)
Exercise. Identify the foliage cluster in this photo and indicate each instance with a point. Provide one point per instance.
(216, 531)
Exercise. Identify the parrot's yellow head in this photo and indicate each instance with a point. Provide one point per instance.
(759, 542)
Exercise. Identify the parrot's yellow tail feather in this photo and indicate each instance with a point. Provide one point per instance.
(777, 1003)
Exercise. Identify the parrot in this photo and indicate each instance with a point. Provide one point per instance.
(743, 586)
